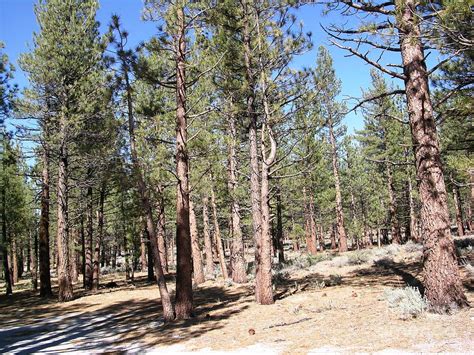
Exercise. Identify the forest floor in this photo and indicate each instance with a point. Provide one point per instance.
(325, 304)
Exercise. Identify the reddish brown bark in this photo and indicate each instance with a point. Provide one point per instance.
(64, 276)
(184, 268)
(237, 257)
(340, 229)
(442, 281)
(198, 272)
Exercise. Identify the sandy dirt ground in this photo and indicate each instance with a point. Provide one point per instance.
(312, 314)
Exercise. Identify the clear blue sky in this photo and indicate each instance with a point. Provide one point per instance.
(18, 22)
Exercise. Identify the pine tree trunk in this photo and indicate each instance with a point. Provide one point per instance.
(161, 228)
(255, 195)
(168, 309)
(198, 272)
(72, 255)
(184, 267)
(89, 237)
(217, 236)
(14, 255)
(312, 224)
(4, 245)
(34, 260)
(44, 262)
(207, 238)
(150, 272)
(279, 228)
(442, 281)
(237, 256)
(392, 210)
(340, 229)
(99, 238)
(64, 275)
(458, 209)
(143, 250)
(263, 279)
(413, 220)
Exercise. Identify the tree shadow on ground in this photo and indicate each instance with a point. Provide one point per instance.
(122, 326)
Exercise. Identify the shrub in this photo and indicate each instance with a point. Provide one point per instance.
(334, 280)
(407, 301)
(358, 257)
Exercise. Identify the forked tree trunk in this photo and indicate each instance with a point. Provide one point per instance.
(458, 209)
(207, 237)
(217, 235)
(392, 208)
(64, 276)
(99, 238)
(237, 256)
(198, 272)
(44, 262)
(340, 229)
(442, 281)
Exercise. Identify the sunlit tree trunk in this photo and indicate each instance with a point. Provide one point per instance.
(442, 281)
(198, 272)
(458, 209)
(340, 229)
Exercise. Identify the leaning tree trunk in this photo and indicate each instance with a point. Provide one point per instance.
(413, 219)
(64, 276)
(207, 237)
(44, 262)
(184, 267)
(198, 272)
(237, 256)
(217, 235)
(168, 309)
(458, 209)
(442, 282)
(161, 235)
(340, 229)
(392, 208)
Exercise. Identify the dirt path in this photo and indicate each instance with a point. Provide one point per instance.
(347, 316)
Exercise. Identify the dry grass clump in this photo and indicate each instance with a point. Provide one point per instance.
(407, 301)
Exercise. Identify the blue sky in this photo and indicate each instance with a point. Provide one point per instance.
(18, 22)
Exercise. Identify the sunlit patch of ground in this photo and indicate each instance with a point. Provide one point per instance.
(313, 314)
